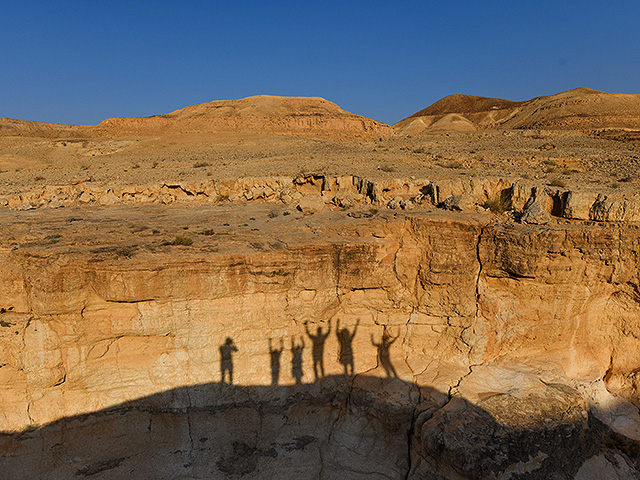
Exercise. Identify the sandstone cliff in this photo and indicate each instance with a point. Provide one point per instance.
(510, 348)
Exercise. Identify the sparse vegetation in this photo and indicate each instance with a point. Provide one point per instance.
(272, 214)
(387, 168)
(452, 164)
(418, 150)
(51, 239)
(207, 232)
(497, 204)
(38, 178)
(373, 211)
(126, 252)
(201, 164)
(179, 240)
(222, 198)
(286, 213)
(557, 182)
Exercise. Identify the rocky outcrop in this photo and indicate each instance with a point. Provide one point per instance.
(528, 201)
(361, 345)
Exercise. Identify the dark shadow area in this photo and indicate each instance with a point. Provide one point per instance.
(318, 340)
(274, 355)
(345, 353)
(226, 360)
(360, 427)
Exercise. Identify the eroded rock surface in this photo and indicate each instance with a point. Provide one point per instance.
(473, 348)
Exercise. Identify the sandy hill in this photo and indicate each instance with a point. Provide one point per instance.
(581, 108)
(297, 116)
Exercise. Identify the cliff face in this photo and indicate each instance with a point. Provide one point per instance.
(472, 348)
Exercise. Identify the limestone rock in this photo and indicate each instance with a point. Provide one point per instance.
(310, 204)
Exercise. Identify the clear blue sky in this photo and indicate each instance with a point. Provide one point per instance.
(83, 61)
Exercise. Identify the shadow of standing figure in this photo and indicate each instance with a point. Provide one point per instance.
(296, 359)
(345, 355)
(383, 352)
(318, 348)
(226, 359)
(275, 354)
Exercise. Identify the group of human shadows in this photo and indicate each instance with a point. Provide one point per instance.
(318, 339)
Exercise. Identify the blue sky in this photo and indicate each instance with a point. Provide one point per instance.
(83, 61)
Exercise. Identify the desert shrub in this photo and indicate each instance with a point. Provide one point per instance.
(452, 164)
(179, 240)
(201, 164)
(272, 214)
(387, 168)
(126, 252)
(499, 204)
(557, 182)
(51, 239)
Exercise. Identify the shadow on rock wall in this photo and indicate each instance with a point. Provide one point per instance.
(360, 427)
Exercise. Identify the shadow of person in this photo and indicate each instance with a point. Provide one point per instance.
(345, 354)
(275, 354)
(296, 359)
(383, 352)
(317, 348)
(226, 360)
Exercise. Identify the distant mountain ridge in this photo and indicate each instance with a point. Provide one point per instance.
(577, 109)
(580, 108)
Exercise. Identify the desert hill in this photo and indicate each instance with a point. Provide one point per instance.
(577, 109)
(297, 116)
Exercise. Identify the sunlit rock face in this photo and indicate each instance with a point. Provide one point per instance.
(363, 345)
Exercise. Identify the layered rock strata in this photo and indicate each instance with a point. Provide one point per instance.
(351, 344)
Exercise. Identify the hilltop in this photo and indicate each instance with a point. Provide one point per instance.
(289, 116)
(577, 109)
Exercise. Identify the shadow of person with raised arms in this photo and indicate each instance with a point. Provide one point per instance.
(345, 355)
(275, 354)
(383, 352)
(296, 359)
(318, 348)
(226, 359)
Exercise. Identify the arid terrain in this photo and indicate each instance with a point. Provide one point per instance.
(274, 287)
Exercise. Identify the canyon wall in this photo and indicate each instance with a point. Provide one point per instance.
(401, 344)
